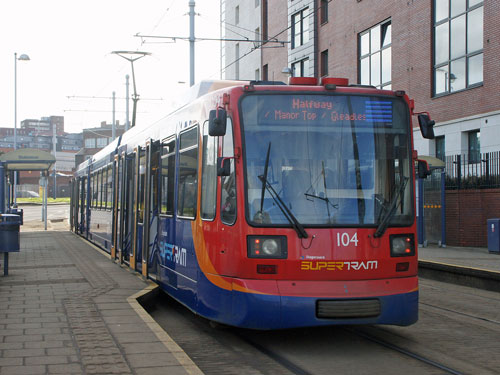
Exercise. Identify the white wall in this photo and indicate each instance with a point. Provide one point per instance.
(249, 20)
(456, 135)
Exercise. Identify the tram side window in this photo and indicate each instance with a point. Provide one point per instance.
(142, 185)
(119, 181)
(102, 197)
(208, 176)
(83, 192)
(109, 195)
(167, 177)
(96, 189)
(91, 190)
(188, 173)
(99, 188)
(103, 180)
(228, 183)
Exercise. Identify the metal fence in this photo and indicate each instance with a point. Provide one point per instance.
(475, 171)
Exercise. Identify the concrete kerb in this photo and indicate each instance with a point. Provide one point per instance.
(466, 276)
(151, 291)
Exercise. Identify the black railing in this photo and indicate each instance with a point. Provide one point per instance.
(464, 172)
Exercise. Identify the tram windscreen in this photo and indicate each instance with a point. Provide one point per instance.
(333, 160)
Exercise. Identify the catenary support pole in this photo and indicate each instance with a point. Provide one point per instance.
(127, 109)
(191, 42)
(113, 130)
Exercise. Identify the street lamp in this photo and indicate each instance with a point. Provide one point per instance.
(132, 56)
(23, 57)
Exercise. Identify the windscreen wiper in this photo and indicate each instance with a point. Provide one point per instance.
(299, 228)
(264, 178)
(392, 208)
(325, 198)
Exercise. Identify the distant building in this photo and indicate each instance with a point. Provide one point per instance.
(44, 126)
(95, 139)
(240, 20)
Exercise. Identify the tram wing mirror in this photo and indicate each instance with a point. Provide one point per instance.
(217, 122)
(423, 169)
(223, 166)
(426, 125)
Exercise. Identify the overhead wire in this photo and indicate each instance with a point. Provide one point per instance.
(275, 37)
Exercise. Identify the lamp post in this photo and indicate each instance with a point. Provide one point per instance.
(132, 56)
(23, 57)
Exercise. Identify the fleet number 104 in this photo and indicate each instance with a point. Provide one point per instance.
(344, 239)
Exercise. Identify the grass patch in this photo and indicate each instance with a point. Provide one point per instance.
(40, 201)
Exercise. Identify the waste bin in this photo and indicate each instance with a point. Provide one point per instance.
(493, 235)
(17, 211)
(9, 233)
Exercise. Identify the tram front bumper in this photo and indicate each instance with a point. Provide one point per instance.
(288, 304)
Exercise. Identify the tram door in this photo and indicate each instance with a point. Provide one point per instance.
(126, 217)
(140, 180)
(75, 204)
(117, 172)
(83, 204)
(150, 248)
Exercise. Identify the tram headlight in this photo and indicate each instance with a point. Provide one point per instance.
(270, 247)
(402, 245)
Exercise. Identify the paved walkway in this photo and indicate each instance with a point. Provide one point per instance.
(65, 308)
(470, 257)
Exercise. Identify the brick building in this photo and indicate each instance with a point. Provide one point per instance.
(443, 53)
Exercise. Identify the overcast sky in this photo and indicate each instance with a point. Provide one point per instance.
(70, 42)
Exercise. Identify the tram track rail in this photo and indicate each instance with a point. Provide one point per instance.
(406, 352)
(227, 350)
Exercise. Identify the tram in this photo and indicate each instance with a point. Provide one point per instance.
(266, 205)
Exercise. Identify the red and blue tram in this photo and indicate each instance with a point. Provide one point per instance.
(266, 206)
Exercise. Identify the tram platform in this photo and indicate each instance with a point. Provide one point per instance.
(66, 308)
(467, 257)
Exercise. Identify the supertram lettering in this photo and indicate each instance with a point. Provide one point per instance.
(370, 265)
(173, 253)
(333, 266)
(317, 266)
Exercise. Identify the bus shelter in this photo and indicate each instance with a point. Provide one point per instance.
(431, 220)
(24, 159)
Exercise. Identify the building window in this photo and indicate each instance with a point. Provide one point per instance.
(89, 142)
(237, 15)
(257, 74)
(300, 68)
(458, 45)
(102, 142)
(375, 56)
(324, 63)
(440, 148)
(257, 3)
(324, 11)
(474, 146)
(264, 20)
(265, 73)
(300, 28)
